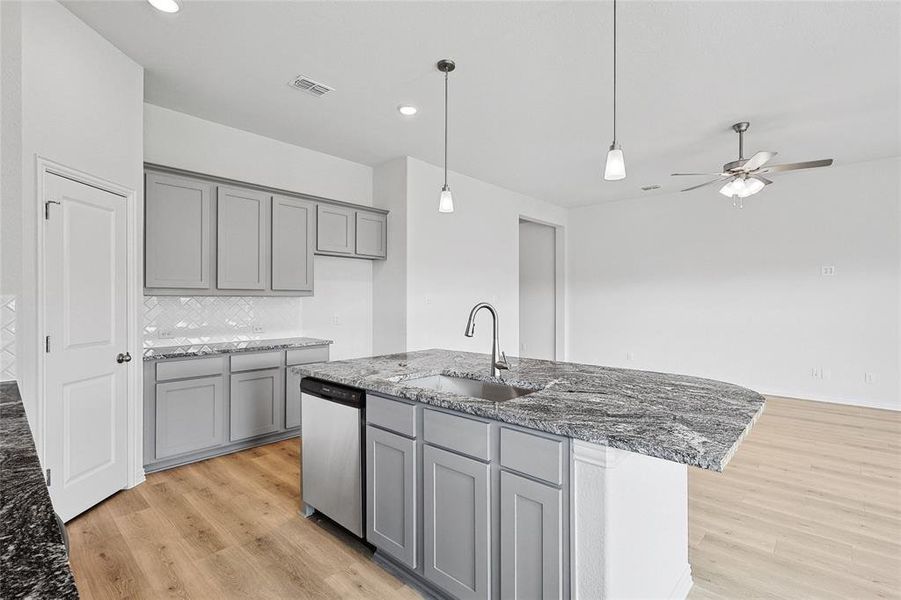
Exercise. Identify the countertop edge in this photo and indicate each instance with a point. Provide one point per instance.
(161, 352)
(483, 410)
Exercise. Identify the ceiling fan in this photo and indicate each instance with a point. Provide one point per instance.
(744, 177)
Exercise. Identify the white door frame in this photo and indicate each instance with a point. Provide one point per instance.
(559, 284)
(134, 343)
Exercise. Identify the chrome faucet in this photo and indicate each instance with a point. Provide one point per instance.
(498, 358)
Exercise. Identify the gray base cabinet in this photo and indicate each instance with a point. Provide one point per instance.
(189, 415)
(456, 534)
(257, 400)
(199, 407)
(493, 514)
(531, 539)
(292, 400)
(391, 494)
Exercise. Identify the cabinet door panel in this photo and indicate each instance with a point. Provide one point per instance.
(457, 536)
(292, 244)
(190, 416)
(531, 539)
(256, 402)
(334, 229)
(292, 399)
(371, 234)
(241, 231)
(391, 494)
(177, 232)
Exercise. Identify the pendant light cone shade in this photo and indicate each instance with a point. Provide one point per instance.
(446, 200)
(616, 164)
(615, 168)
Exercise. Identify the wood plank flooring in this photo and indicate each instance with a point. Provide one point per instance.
(810, 507)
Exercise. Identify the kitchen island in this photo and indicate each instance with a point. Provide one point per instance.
(609, 521)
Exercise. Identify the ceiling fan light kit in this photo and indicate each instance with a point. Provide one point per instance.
(744, 177)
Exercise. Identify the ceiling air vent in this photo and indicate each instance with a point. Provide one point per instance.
(314, 88)
(648, 188)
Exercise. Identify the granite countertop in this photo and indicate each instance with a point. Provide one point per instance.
(689, 420)
(33, 561)
(188, 347)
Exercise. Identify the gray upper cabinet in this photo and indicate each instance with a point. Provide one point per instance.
(177, 239)
(242, 218)
(371, 234)
(190, 416)
(335, 229)
(257, 402)
(531, 539)
(293, 232)
(456, 517)
(391, 494)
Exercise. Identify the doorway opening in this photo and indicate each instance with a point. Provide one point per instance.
(540, 290)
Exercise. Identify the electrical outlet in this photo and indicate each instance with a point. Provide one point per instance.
(869, 378)
(257, 329)
(336, 320)
(827, 270)
(820, 373)
(629, 356)
(428, 300)
(165, 334)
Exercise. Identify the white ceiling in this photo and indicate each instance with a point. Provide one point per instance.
(531, 97)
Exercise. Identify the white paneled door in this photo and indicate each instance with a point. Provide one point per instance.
(84, 305)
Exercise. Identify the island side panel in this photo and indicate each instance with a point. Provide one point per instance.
(629, 525)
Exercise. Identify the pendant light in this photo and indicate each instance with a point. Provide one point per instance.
(446, 201)
(616, 164)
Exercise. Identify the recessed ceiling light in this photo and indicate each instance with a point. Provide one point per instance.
(166, 6)
(407, 110)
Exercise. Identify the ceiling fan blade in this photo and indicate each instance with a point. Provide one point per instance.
(683, 174)
(694, 187)
(763, 179)
(757, 161)
(810, 164)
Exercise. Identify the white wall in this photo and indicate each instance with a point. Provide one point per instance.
(389, 277)
(81, 101)
(456, 260)
(343, 287)
(10, 182)
(688, 284)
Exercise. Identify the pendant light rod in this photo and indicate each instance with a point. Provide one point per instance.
(445, 128)
(614, 72)
(615, 167)
(446, 201)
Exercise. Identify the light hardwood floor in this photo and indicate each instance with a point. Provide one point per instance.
(810, 507)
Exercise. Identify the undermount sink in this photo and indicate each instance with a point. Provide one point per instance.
(486, 390)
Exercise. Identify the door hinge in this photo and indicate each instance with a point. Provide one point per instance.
(48, 477)
(47, 208)
(47, 344)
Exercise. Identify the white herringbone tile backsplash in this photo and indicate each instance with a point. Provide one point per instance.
(7, 337)
(220, 317)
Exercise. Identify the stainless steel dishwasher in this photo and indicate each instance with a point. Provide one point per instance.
(332, 473)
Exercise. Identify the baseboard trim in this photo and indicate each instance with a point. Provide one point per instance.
(411, 578)
(221, 451)
(683, 586)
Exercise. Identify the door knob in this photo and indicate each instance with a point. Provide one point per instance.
(123, 358)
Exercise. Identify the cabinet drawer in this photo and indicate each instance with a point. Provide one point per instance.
(262, 360)
(391, 414)
(192, 367)
(313, 354)
(461, 434)
(533, 455)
